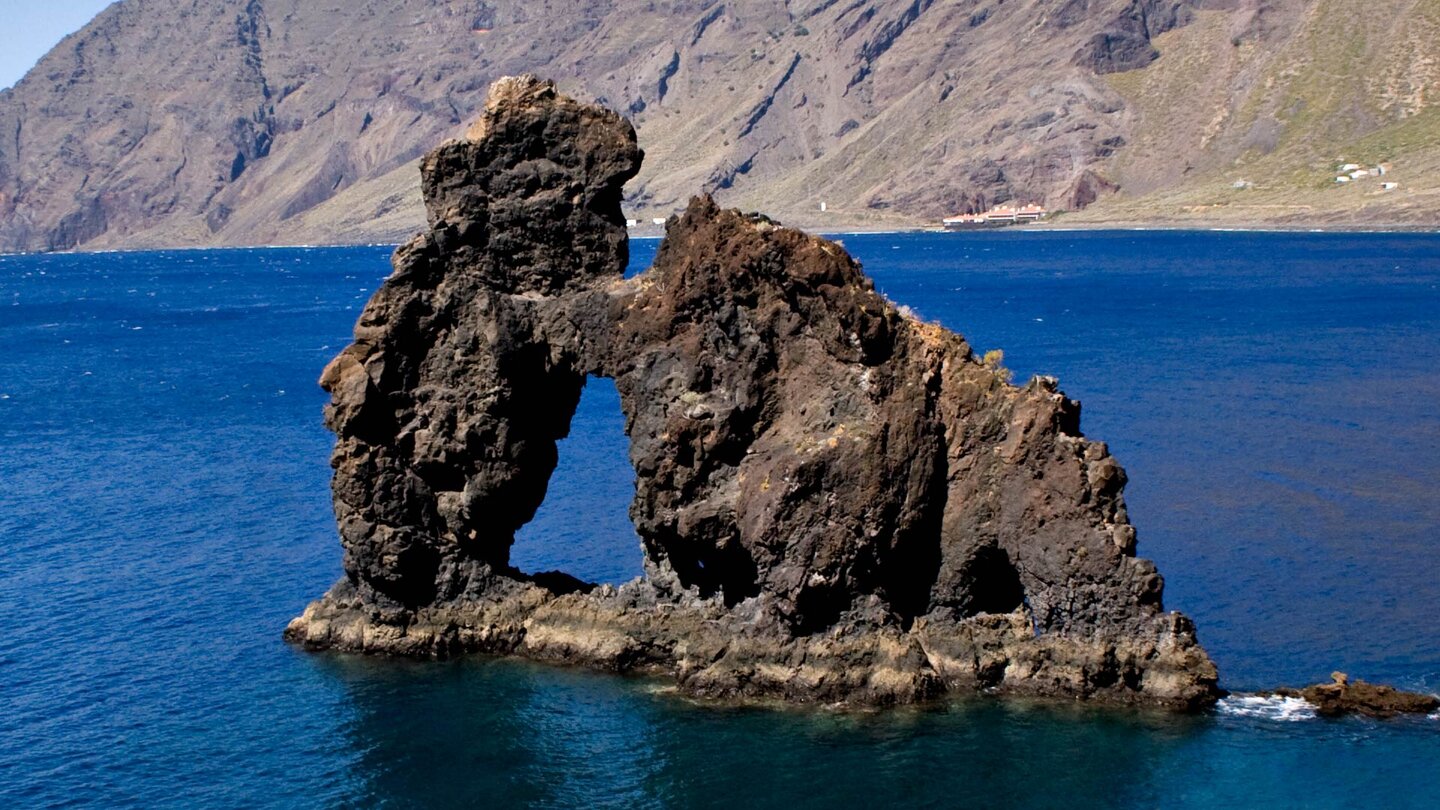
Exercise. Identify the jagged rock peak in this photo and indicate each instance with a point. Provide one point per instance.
(544, 175)
(837, 501)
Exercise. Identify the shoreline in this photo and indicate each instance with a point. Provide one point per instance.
(655, 233)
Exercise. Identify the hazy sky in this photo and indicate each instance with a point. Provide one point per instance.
(29, 28)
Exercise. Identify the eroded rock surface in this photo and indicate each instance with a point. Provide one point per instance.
(1345, 695)
(837, 502)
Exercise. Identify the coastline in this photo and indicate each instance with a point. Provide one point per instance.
(840, 231)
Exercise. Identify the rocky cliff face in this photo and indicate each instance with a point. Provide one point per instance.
(263, 121)
(837, 502)
(231, 122)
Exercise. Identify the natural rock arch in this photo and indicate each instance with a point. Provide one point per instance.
(583, 527)
(836, 500)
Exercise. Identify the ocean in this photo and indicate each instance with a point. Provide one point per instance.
(165, 510)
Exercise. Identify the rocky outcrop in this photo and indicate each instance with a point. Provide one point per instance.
(1125, 42)
(837, 501)
(1344, 696)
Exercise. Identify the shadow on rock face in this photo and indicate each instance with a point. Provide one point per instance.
(837, 502)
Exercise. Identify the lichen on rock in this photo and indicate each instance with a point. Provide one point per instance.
(837, 502)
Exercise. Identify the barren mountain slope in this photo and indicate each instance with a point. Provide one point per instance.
(231, 121)
(1277, 102)
(281, 121)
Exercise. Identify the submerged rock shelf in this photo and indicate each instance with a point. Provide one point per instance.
(837, 501)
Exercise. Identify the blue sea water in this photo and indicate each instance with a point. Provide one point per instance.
(164, 511)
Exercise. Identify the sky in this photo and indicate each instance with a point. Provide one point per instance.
(30, 28)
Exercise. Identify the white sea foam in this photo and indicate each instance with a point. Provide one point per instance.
(1282, 709)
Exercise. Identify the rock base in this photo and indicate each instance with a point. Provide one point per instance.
(712, 651)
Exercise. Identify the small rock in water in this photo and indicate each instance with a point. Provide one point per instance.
(1344, 696)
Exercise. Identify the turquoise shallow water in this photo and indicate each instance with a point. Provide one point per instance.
(164, 511)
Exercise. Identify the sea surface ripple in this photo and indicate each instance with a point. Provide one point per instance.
(165, 510)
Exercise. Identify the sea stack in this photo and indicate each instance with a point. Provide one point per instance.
(837, 501)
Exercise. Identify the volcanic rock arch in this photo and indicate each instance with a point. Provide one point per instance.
(836, 500)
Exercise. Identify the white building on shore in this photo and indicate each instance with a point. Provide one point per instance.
(998, 216)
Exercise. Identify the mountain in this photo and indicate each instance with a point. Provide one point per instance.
(190, 122)
(1272, 100)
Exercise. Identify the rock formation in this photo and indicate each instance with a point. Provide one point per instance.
(837, 501)
(1344, 696)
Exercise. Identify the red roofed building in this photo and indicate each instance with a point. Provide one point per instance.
(995, 217)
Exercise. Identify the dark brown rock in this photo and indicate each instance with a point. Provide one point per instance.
(1087, 188)
(837, 501)
(1353, 696)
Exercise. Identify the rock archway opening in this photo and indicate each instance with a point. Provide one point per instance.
(582, 528)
